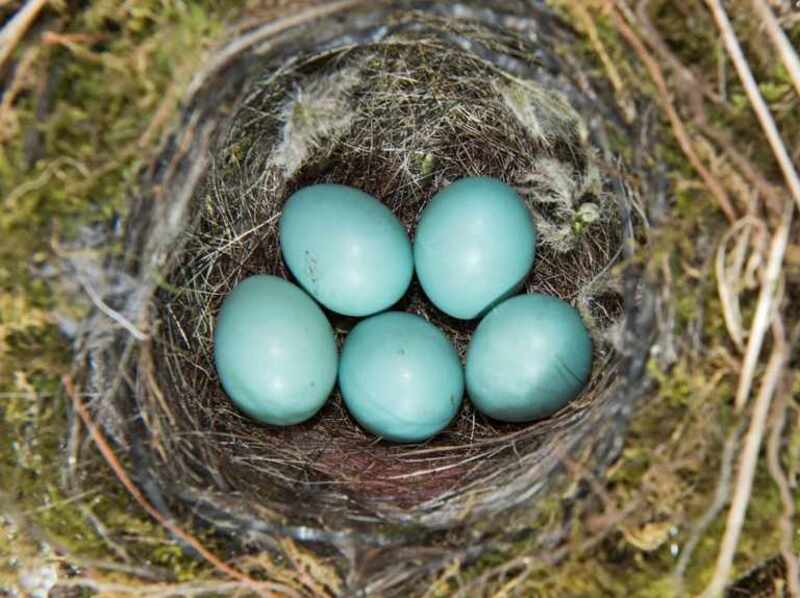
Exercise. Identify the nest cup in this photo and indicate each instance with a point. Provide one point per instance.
(397, 101)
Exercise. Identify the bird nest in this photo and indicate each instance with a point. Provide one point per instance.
(397, 102)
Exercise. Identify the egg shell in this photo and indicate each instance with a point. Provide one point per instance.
(528, 357)
(400, 377)
(474, 245)
(346, 249)
(274, 351)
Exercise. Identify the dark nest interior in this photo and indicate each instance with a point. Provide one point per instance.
(398, 104)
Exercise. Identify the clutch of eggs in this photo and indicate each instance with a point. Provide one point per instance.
(400, 376)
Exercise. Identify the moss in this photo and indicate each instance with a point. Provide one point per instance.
(101, 129)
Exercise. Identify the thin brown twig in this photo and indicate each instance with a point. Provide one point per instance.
(587, 23)
(771, 193)
(777, 473)
(769, 286)
(679, 129)
(727, 280)
(695, 87)
(8, 119)
(80, 47)
(747, 468)
(694, 84)
(263, 588)
(756, 99)
(15, 29)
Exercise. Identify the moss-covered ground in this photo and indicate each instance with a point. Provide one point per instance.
(88, 94)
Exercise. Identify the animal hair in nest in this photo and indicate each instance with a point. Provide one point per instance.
(399, 103)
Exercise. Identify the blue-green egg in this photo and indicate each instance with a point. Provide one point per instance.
(346, 249)
(274, 351)
(400, 377)
(528, 357)
(474, 246)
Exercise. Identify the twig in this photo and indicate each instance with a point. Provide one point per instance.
(103, 531)
(729, 296)
(9, 124)
(747, 469)
(17, 26)
(713, 510)
(754, 95)
(155, 590)
(694, 87)
(531, 563)
(266, 31)
(527, 564)
(776, 471)
(111, 313)
(624, 100)
(144, 572)
(31, 185)
(694, 84)
(780, 41)
(263, 588)
(675, 120)
(771, 193)
(80, 46)
(764, 308)
(769, 285)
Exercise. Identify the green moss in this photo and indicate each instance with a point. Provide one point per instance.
(91, 146)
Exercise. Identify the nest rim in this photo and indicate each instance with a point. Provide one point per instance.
(371, 515)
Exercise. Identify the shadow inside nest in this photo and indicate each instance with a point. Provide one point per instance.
(398, 104)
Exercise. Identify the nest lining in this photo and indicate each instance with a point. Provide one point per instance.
(398, 119)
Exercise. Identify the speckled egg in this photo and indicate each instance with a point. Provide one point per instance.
(474, 245)
(274, 351)
(346, 249)
(528, 357)
(400, 377)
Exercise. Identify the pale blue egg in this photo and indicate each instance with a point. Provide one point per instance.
(400, 377)
(346, 249)
(274, 351)
(528, 358)
(474, 246)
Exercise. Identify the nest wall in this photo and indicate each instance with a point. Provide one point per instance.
(397, 100)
